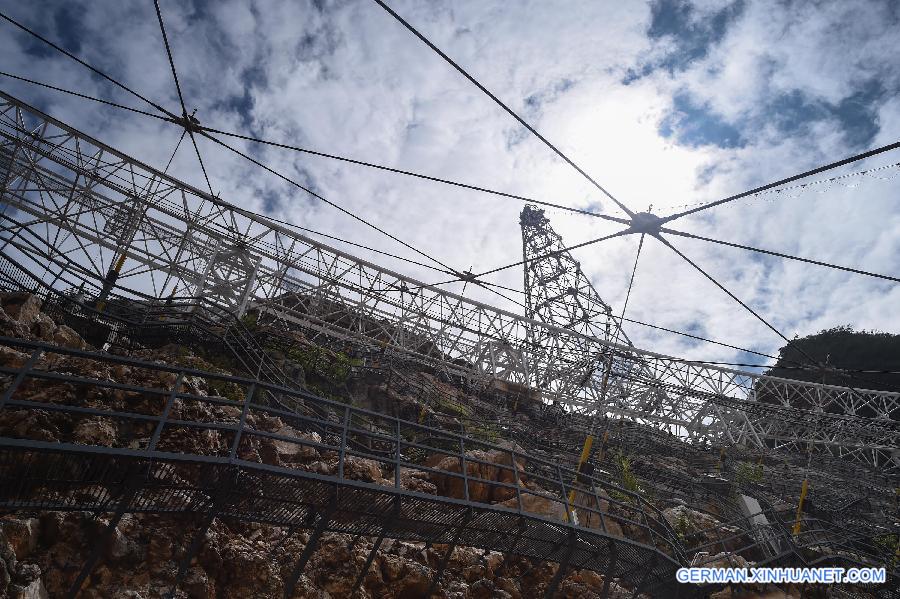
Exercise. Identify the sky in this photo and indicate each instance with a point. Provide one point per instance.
(666, 104)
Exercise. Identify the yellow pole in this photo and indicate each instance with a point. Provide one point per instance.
(111, 277)
(585, 454)
(119, 263)
(803, 489)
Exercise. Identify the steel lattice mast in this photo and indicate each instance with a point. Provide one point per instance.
(73, 207)
(558, 293)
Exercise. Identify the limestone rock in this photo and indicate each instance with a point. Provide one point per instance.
(417, 480)
(28, 583)
(198, 585)
(719, 560)
(495, 466)
(363, 469)
(22, 534)
(4, 577)
(95, 431)
(10, 327)
(33, 590)
(595, 512)
(24, 308)
(12, 358)
(289, 452)
(542, 504)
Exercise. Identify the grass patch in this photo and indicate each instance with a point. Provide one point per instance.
(452, 407)
(747, 473)
(334, 367)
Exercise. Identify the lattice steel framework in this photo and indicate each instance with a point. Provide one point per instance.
(78, 206)
(558, 293)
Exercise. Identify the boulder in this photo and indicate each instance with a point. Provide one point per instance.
(4, 577)
(12, 328)
(24, 308)
(320, 467)
(542, 504)
(363, 469)
(479, 465)
(508, 586)
(22, 534)
(33, 590)
(28, 583)
(589, 578)
(289, 452)
(407, 580)
(23, 424)
(44, 328)
(592, 519)
(486, 589)
(197, 584)
(95, 431)
(12, 358)
(719, 560)
(417, 480)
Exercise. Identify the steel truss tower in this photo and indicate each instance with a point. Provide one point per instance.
(71, 207)
(558, 293)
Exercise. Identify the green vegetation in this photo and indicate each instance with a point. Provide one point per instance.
(682, 527)
(452, 407)
(843, 348)
(179, 355)
(227, 389)
(323, 392)
(747, 473)
(250, 320)
(334, 367)
(485, 433)
(627, 479)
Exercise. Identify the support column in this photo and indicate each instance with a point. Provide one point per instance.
(129, 491)
(563, 566)
(310, 548)
(446, 559)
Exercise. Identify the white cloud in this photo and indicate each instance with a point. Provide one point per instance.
(350, 80)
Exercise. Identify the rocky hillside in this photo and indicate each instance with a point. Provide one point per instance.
(41, 553)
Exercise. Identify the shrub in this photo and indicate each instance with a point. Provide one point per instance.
(747, 473)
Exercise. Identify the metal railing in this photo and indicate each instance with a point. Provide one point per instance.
(172, 423)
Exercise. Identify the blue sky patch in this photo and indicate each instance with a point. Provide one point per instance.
(694, 125)
(692, 35)
(793, 112)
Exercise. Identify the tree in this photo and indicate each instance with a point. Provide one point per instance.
(840, 351)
